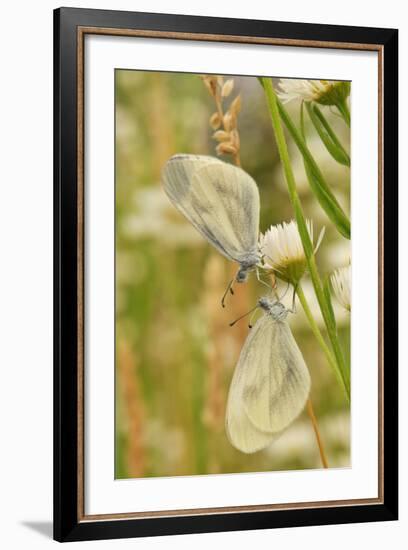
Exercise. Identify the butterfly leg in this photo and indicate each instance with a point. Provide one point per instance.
(228, 289)
(261, 280)
(293, 310)
(280, 298)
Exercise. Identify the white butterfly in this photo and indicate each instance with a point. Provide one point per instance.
(271, 382)
(222, 202)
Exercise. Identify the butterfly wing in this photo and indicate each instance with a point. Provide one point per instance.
(219, 199)
(277, 380)
(270, 386)
(241, 432)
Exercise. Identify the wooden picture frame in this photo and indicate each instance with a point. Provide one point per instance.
(71, 26)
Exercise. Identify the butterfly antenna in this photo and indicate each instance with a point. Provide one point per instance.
(228, 289)
(242, 316)
(250, 324)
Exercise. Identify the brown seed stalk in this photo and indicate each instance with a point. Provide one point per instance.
(225, 123)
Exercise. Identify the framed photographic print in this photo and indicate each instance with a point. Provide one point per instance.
(225, 274)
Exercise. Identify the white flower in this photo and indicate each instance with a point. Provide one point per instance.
(282, 250)
(328, 92)
(341, 283)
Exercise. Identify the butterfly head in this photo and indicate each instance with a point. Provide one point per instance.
(275, 309)
(246, 266)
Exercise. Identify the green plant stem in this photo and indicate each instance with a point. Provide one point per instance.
(344, 111)
(318, 335)
(314, 326)
(303, 231)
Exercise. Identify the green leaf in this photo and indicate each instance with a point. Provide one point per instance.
(327, 295)
(330, 206)
(318, 184)
(327, 135)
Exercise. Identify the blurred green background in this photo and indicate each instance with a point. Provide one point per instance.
(175, 351)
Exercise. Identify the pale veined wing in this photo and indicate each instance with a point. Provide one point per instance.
(221, 201)
(270, 385)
